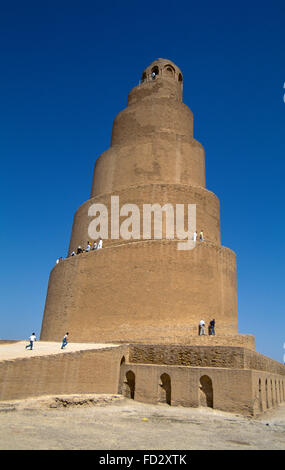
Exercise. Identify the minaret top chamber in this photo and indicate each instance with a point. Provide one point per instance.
(162, 68)
(161, 79)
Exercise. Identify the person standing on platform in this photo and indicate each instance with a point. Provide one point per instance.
(212, 327)
(202, 328)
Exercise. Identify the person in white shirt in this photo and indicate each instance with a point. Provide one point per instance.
(32, 339)
(100, 244)
(202, 328)
(64, 341)
(195, 236)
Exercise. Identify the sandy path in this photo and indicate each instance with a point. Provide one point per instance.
(9, 351)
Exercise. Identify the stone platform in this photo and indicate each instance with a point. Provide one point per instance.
(228, 378)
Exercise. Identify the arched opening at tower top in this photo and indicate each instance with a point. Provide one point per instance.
(169, 71)
(154, 72)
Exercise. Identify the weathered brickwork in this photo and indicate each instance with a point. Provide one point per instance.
(89, 371)
(203, 356)
(193, 356)
(207, 210)
(231, 391)
(213, 377)
(129, 293)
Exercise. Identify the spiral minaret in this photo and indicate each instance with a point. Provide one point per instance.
(146, 290)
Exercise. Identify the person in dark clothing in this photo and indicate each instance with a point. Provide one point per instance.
(212, 327)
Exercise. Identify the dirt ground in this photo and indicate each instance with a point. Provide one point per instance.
(112, 422)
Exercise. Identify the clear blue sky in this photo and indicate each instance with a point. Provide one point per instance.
(66, 70)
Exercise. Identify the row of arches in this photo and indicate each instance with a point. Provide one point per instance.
(167, 71)
(271, 392)
(254, 393)
(128, 388)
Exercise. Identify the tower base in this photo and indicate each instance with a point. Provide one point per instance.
(232, 379)
(144, 291)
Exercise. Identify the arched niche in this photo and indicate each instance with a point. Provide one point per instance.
(154, 72)
(129, 385)
(165, 389)
(206, 396)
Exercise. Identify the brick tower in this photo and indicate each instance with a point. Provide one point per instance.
(146, 290)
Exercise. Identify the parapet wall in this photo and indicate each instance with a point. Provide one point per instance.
(82, 372)
(193, 356)
(203, 356)
(238, 340)
(257, 361)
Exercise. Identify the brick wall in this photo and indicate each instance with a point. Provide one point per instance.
(204, 356)
(92, 371)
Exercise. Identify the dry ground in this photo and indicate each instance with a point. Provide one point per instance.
(113, 422)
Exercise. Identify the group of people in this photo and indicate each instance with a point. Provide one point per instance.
(211, 327)
(201, 236)
(89, 247)
(99, 245)
(65, 342)
(33, 338)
